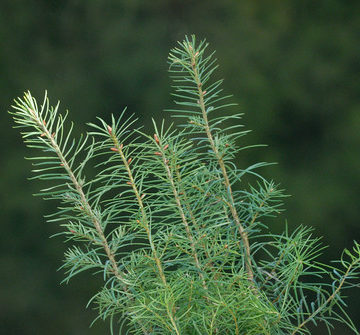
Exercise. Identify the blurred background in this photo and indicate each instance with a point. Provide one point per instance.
(293, 67)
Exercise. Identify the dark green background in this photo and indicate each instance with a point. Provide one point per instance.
(293, 66)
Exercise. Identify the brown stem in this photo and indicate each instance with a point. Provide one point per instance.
(331, 297)
(87, 207)
(233, 210)
(192, 216)
(182, 214)
(145, 223)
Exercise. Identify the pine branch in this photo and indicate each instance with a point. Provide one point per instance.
(351, 269)
(30, 116)
(162, 153)
(192, 66)
(118, 148)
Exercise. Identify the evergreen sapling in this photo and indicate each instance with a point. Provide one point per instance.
(172, 224)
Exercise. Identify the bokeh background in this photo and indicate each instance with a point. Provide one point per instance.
(292, 65)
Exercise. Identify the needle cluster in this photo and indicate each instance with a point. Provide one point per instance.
(177, 230)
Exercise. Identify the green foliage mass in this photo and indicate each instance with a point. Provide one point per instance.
(176, 229)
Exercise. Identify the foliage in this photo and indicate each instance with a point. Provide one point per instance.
(177, 230)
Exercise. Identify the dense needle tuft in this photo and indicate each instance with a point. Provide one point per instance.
(174, 223)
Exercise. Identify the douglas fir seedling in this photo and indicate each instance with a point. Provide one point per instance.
(172, 223)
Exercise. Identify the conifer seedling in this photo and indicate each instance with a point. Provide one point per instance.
(175, 225)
